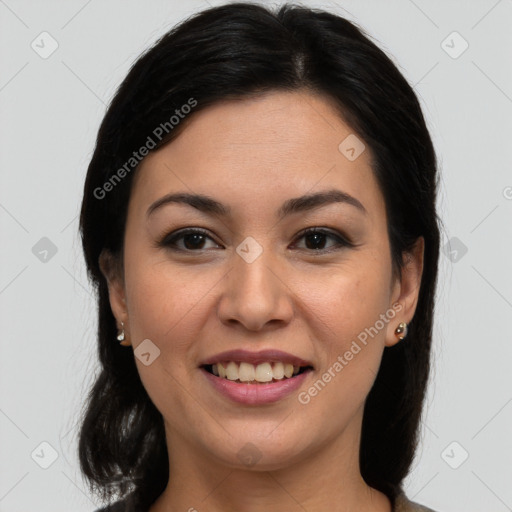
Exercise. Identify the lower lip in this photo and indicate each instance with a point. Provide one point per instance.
(256, 394)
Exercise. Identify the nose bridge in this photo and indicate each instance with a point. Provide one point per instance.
(254, 293)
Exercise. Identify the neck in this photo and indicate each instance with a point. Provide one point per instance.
(327, 479)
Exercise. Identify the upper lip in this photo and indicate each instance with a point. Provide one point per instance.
(262, 356)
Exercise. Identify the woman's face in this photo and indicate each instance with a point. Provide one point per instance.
(251, 291)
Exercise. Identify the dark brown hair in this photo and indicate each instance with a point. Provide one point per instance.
(235, 51)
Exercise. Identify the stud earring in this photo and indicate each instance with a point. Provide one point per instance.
(401, 330)
(121, 337)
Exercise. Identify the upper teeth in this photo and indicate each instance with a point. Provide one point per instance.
(246, 372)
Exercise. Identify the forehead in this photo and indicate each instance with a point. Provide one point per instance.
(248, 151)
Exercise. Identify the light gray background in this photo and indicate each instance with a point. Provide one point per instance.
(50, 110)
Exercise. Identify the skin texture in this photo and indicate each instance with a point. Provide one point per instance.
(252, 155)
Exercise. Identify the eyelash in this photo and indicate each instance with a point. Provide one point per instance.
(169, 240)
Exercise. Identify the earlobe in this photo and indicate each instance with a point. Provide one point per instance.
(406, 292)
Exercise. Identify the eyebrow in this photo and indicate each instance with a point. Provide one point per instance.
(291, 206)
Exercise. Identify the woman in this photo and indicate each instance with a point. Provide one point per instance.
(259, 220)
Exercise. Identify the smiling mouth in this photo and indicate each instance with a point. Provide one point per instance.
(247, 373)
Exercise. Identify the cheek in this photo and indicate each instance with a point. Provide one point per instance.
(167, 304)
(167, 307)
(350, 298)
(350, 329)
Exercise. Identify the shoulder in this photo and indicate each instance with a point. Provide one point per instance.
(403, 504)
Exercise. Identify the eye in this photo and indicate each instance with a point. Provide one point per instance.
(193, 239)
(315, 239)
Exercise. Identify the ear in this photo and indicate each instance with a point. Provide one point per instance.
(406, 289)
(111, 269)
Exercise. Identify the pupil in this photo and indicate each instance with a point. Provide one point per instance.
(198, 240)
(316, 235)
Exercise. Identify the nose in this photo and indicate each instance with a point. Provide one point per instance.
(256, 294)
